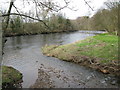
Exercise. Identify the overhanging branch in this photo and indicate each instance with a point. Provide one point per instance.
(88, 5)
(4, 15)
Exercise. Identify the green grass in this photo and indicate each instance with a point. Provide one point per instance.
(10, 75)
(96, 52)
(101, 46)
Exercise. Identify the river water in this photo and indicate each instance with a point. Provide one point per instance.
(24, 54)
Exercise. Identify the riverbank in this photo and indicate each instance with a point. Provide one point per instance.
(33, 33)
(11, 78)
(99, 52)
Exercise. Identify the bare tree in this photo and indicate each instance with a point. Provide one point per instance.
(42, 7)
(112, 3)
(46, 5)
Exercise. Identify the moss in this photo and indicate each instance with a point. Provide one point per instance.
(10, 76)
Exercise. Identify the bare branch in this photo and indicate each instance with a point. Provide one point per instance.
(36, 9)
(46, 5)
(26, 16)
(16, 8)
(51, 6)
(88, 5)
(1, 11)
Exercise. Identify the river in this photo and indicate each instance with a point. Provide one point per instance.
(24, 54)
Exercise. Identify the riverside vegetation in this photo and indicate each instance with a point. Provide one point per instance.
(10, 77)
(55, 23)
(99, 52)
(104, 19)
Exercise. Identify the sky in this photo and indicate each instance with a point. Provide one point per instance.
(79, 5)
(84, 9)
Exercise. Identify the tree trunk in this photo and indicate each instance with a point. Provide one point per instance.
(0, 51)
(8, 17)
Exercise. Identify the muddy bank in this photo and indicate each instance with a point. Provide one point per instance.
(113, 69)
(43, 80)
(50, 77)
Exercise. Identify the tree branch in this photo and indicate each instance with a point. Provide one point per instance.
(88, 5)
(8, 15)
(26, 16)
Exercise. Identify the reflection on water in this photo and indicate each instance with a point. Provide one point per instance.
(24, 54)
(41, 40)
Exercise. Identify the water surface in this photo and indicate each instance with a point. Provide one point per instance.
(24, 53)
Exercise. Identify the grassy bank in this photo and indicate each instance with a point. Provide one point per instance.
(10, 77)
(99, 52)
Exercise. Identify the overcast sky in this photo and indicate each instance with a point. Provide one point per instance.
(82, 8)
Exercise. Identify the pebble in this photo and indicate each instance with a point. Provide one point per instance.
(69, 85)
(79, 84)
(105, 71)
(113, 82)
(42, 64)
(89, 77)
(103, 82)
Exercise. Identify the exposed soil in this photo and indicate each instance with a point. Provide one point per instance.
(49, 77)
(43, 80)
